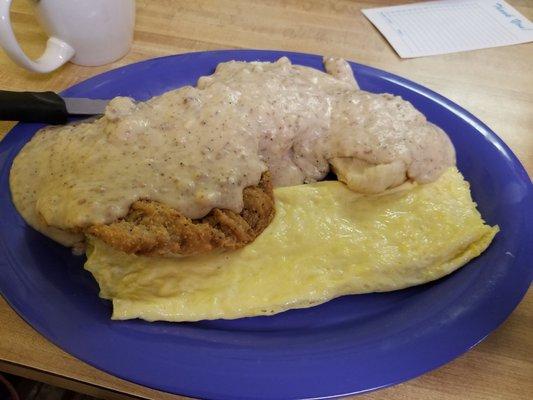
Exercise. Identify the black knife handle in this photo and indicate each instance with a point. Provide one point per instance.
(47, 107)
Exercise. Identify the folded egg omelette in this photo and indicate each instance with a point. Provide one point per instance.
(325, 241)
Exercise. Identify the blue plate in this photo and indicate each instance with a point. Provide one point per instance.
(350, 345)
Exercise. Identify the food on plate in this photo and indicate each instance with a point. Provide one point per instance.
(325, 241)
(152, 228)
(195, 149)
(205, 202)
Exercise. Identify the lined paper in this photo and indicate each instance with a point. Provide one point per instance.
(449, 26)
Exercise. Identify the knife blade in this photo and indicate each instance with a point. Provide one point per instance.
(84, 106)
(46, 107)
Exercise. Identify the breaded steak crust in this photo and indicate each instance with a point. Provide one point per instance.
(154, 229)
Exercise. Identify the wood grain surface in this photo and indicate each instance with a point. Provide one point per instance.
(496, 85)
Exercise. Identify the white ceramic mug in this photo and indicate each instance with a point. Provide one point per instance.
(86, 32)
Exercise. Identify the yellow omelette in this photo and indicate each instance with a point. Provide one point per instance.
(325, 241)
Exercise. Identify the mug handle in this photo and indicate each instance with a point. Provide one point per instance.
(56, 54)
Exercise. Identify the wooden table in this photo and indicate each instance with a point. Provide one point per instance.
(495, 84)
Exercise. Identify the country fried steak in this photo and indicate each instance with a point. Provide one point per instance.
(155, 229)
(151, 170)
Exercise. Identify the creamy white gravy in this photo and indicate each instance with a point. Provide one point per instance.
(196, 148)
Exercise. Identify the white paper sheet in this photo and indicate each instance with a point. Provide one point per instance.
(449, 26)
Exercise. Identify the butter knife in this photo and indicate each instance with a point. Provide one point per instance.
(46, 107)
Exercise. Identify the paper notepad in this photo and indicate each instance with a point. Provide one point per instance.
(448, 26)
